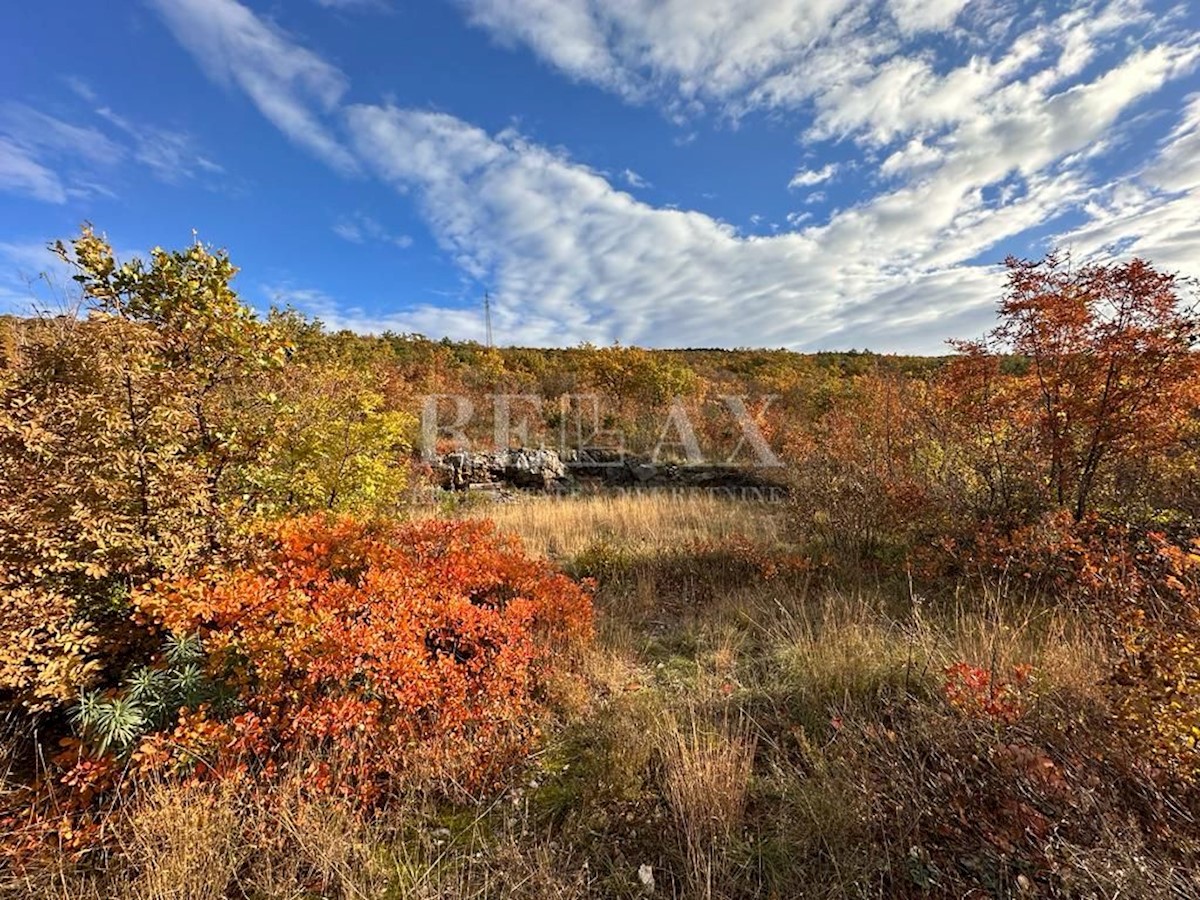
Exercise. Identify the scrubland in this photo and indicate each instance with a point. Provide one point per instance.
(751, 727)
(248, 649)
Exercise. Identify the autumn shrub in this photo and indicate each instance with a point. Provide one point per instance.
(1156, 677)
(1142, 588)
(335, 444)
(1082, 401)
(375, 654)
(978, 691)
(969, 806)
(1109, 389)
(877, 475)
(122, 429)
(84, 512)
(144, 435)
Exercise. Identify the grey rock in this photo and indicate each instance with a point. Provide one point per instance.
(643, 471)
(518, 467)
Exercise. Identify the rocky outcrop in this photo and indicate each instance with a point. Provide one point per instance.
(545, 470)
(522, 468)
(612, 468)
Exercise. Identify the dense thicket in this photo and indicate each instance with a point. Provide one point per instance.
(206, 566)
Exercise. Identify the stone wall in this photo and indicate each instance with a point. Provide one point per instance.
(545, 470)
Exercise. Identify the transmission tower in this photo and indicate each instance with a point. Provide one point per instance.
(487, 316)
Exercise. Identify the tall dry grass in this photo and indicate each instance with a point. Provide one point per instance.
(790, 664)
(851, 650)
(198, 841)
(831, 641)
(564, 527)
(706, 778)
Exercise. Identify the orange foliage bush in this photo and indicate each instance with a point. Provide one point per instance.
(376, 653)
(976, 691)
(1157, 677)
(1110, 390)
(1144, 588)
(872, 477)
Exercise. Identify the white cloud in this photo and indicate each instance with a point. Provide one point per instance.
(337, 315)
(574, 258)
(51, 159)
(855, 67)
(633, 179)
(688, 52)
(361, 228)
(968, 156)
(80, 88)
(290, 85)
(169, 155)
(1157, 215)
(924, 15)
(564, 32)
(562, 244)
(1178, 166)
(914, 156)
(942, 215)
(45, 135)
(48, 159)
(348, 231)
(810, 177)
(20, 173)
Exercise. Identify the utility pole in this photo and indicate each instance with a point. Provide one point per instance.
(487, 316)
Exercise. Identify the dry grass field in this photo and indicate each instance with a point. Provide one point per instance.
(749, 730)
(645, 523)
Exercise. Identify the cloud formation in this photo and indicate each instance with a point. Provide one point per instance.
(1005, 126)
(21, 173)
(50, 159)
(291, 86)
(810, 177)
(361, 229)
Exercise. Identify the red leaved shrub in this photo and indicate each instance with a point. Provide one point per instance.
(1143, 588)
(976, 691)
(375, 653)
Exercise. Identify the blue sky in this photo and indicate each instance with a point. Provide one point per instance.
(815, 174)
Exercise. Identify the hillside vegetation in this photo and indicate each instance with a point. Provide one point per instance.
(248, 651)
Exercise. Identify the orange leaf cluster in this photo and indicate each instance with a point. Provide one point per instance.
(378, 652)
(977, 691)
